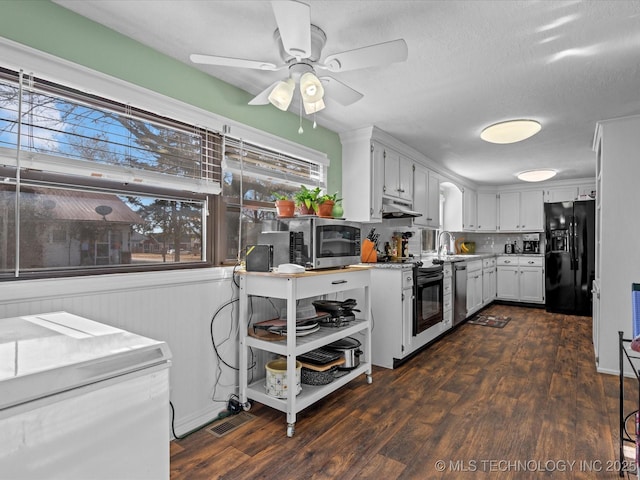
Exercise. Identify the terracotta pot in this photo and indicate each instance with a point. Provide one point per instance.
(285, 208)
(325, 209)
(303, 210)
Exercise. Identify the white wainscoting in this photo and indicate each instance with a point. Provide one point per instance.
(176, 307)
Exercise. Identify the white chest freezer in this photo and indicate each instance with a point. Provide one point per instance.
(81, 400)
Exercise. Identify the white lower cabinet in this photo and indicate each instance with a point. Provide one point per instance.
(293, 287)
(520, 278)
(474, 287)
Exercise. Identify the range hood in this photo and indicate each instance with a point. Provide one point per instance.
(397, 209)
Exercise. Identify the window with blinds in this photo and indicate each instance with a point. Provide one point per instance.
(251, 175)
(91, 185)
(65, 131)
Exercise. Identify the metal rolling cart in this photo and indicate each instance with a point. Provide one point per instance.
(624, 435)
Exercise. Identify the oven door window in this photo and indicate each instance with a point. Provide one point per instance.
(337, 241)
(428, 304)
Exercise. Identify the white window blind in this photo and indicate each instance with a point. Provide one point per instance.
(268, 165)
(69, 132)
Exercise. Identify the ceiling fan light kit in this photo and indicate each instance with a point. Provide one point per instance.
(511, 131)
(539, 175)
(300, 46)
(313, 107)
(282, 94)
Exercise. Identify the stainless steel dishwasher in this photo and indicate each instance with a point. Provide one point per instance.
(460, 292)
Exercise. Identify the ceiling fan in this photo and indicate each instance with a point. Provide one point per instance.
(301, 44)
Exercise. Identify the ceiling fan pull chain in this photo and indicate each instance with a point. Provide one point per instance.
(300, 130)
(314, 120)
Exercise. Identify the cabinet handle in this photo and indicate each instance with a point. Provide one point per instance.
(522, 226)
(338, 282)
(401, 190)
(531, 262)
(507, 261)
(429, 219)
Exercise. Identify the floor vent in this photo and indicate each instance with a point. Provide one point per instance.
(229, 424)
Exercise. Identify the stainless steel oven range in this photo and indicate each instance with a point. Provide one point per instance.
(428, 289)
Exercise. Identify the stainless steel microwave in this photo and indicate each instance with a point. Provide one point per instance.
(313, 242)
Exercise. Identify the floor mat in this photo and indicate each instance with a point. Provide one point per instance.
(497, 321)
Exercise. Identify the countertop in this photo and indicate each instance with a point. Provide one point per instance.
(474, 256)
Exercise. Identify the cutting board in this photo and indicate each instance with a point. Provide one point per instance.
(323, 368)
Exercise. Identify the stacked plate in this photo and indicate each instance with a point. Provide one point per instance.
(302, 328)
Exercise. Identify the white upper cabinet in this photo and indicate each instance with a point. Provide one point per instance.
(569, 193)
(426, 197)
(398, 175)
(521, 211)
(362, 176)
(560, 194)
(487, 212)
(531, 211)
(469, 210)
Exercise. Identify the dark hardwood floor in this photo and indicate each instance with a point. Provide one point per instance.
(524, 401)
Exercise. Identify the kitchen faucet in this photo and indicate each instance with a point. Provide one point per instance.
(442, 246)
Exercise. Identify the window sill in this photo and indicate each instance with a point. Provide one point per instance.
(26, 290)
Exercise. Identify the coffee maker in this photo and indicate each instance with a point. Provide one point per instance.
(531, 243)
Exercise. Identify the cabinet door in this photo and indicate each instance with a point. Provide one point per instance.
(421, 195)
(433, 201)
(474, 291)
(487, 212)
(377, 181)
(561, 194)
(479, 290)
(508, 285)
(532, 211)
(531, 284)
(407, 319)
(488, 286)
(405, 177)
(469, 209)
(509, 211)
(426, 197)
(391, 173)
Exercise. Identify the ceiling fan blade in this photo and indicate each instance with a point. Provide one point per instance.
(371, 56)
(340, 92)
(263, 97)
(233, 62)
(294, 22)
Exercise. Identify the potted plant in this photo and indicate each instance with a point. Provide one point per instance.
(285, 207)
(307, 200)
(326, 203)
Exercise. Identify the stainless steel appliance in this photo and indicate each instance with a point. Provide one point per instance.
(569, 256)
(531, 243)
(428, 292)
(460, 292)
(313, 242)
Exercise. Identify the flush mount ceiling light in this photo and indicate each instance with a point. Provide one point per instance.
(536, 175)
(510, 131)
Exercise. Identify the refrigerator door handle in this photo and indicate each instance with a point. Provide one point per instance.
(574, 241)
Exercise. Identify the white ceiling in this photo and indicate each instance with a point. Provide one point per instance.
(471, 63)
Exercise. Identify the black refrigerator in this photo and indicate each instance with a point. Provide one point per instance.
(569, 256)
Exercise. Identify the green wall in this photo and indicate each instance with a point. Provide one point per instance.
(48, 27)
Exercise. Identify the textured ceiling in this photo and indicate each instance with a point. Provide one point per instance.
(471, 63)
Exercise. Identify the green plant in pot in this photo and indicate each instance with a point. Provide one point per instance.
(285, 207)
(326, 204)
(307, 200)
